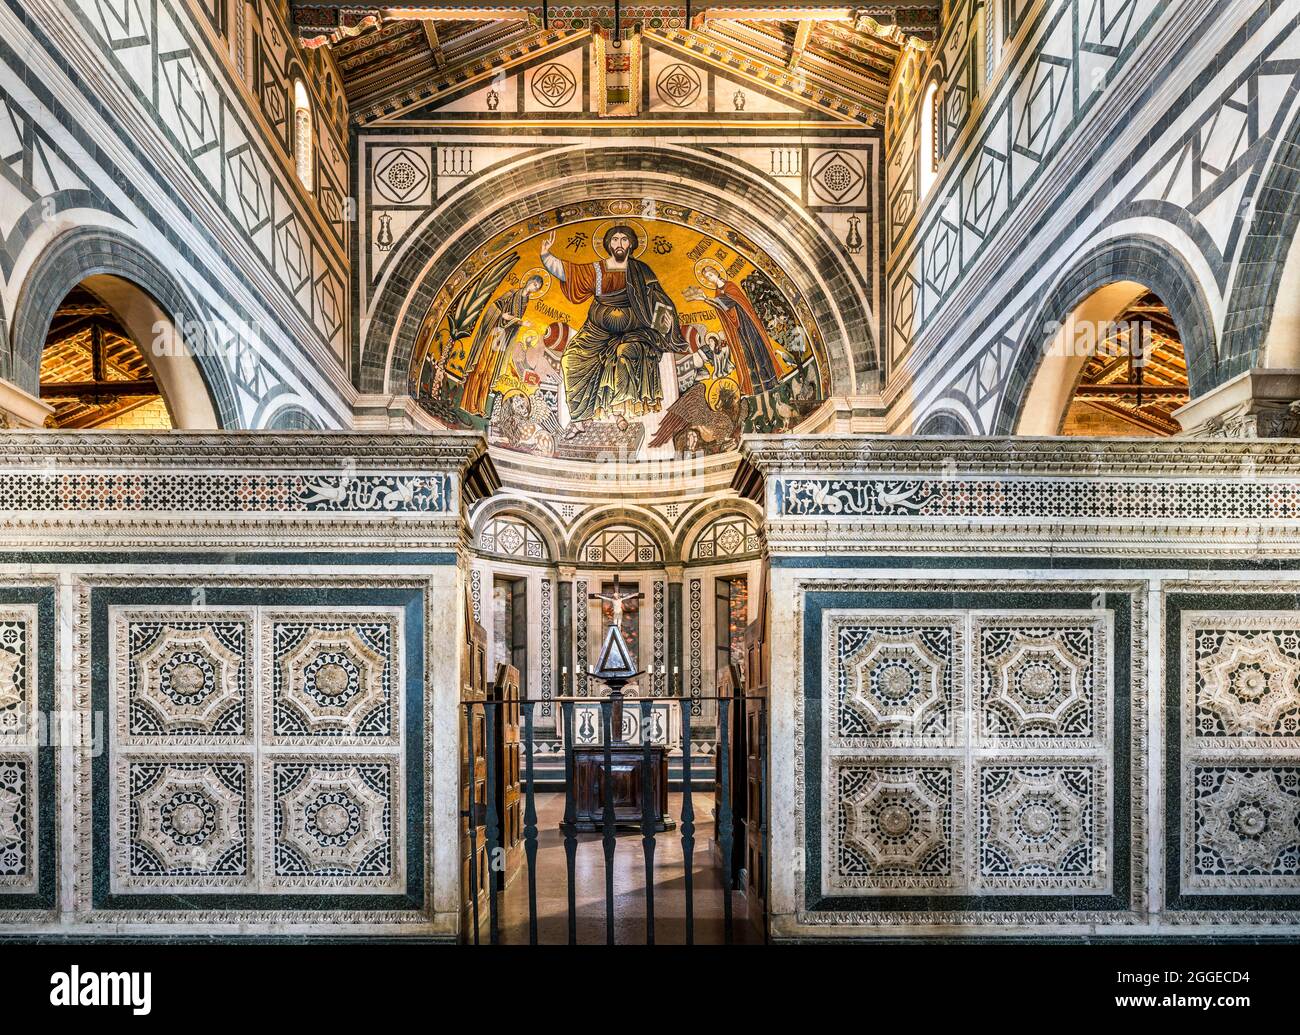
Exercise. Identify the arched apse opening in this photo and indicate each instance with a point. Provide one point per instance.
(943, 422)
(94, 373)
(1130, 309)
(292, 417)
(834, 291)
(145, 302)
(1262, 324)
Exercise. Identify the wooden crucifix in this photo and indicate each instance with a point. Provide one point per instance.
(616, 601)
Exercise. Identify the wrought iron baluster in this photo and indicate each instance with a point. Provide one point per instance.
(606, 711)
(472, 815)
(688, 824)
(530, 823)
(649, 791)
(762, 805)
(569, 826)
(493, 827)
(724, 813)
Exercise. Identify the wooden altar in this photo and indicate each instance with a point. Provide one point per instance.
(629, 785)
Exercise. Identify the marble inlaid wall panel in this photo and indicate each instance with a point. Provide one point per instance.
(1233, 746)
(265, 751)
(967, 751)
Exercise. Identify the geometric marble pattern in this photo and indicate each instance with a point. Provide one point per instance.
(1245, 672)
(1038, 681)
(1017, 800)
(17, 822)
(334, 823)
(1245, 827)
(331, 680)
(894, 682)
(1239, 698)
(187, 822)
(206, 790)
(185, 678)
(1041, 826)
(18, 652)
(896, 824)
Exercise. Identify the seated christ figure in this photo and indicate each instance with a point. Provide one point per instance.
(611, 366)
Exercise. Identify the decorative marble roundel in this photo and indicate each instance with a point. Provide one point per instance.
(1247, 683)
(553, 85)
(619, 329)
(1247, 823)
(678, 85)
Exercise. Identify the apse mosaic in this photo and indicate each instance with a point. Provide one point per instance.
(619, 329)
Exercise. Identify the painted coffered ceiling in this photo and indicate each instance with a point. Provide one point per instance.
(391, 52)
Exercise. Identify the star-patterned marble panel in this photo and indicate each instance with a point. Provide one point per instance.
(183, 824)
(17, 823)
(1015, 800)
(183, 679)
(894, 681)
(332, 680)
(336, 824)
(1042, 825)
(18, 649)
(1239, 675)
(207, 791)
(896, 825)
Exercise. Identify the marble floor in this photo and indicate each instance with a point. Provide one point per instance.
(629, 885)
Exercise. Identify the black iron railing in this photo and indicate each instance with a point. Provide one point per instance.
(483, 810)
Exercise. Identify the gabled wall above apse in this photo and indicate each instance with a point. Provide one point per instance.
(777, 184)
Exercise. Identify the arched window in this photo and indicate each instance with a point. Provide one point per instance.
(302, 133)
(928, 152)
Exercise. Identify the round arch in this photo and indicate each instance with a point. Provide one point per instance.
(1099, 287)
(150, 305)
(293, 417)
(512, 506)
(619, 515)
(804, 249)
(1262, 323)
(946, 423)
(703, 518)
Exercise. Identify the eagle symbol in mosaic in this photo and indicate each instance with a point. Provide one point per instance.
(1248, 821)
(896, 821)
(188, 680)
(333, 820)
(188, 820)
(1247, 685)
(1036, 821)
